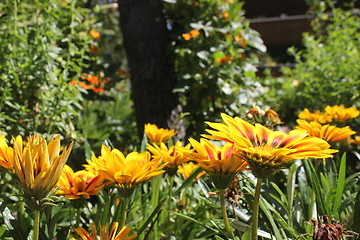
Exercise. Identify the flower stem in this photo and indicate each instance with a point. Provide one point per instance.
(36, 224)
(255, 214)
(123, 213)
(224, 213)
(78, 212)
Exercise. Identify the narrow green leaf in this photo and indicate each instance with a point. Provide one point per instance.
(340, 185)
(315, 183)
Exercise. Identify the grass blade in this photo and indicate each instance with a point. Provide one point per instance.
(340, 185)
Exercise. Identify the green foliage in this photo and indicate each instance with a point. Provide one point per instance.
(216, 68)
(40, 54)
(327, 69)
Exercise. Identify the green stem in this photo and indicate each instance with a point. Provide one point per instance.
(171, 183)
(78, 212)
(123, 213)
(255, 214)
(36, 224)
(224, 213)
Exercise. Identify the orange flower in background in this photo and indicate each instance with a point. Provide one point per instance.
(95, 84)
(106, 233)
(341, 113)
(94, 34)
(80, 184)
(226, 15)
(6, 154)
(224, 60)
(192, 34)
(157, 135)
(222, 163)
(241, 41)
(173, 156)
(186, 169)
(327, 132)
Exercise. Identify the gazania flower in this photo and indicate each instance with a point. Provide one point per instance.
(106, 233)
(315, 116)
(127, 172)
(157, 135)
(6, 154)
(38, 165)
(173, 156)
(186, 169)
(327, 132)
(80, 184)
(222, 163)
(265, 150)
(341, 113)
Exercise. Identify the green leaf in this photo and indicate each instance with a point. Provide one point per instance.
(340, 185)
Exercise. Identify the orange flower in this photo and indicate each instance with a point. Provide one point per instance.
(80, 184)
(95, 35)
(224, 60)
(93, 79)
(192, 34)
(241, 41)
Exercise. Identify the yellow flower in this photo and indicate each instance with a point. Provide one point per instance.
(341, 113)
(222, 163)
(356, 140)
(173, 156)
(265, 150)
(127, 172)
(186, 169)
(327, 132)
(80, 184)
(106, 233)
(6, 154)
(157, 135)
(315, 116)
(38, 165)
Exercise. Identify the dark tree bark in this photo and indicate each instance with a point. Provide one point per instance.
(151, 66)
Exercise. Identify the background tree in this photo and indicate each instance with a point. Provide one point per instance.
(150, 62)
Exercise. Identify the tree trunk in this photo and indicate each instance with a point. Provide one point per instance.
(150, 61)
